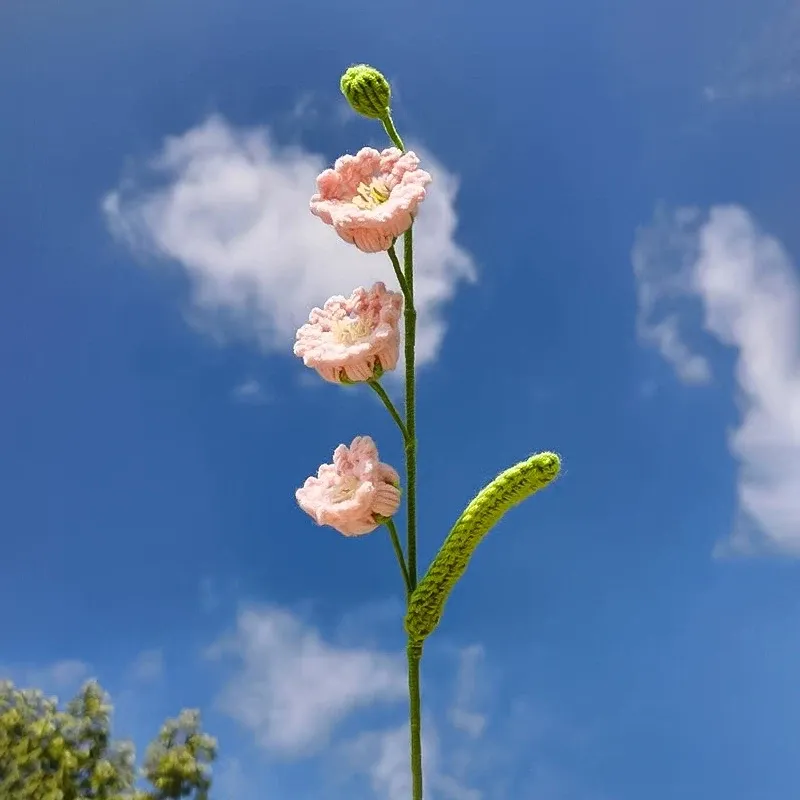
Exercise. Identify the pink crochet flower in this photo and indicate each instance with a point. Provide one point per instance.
(371, 198)
(354, 338)
(355, 493)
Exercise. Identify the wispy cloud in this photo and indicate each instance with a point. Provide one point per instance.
(766, 63)
(250, 392)
(230, 780)
(290, 687)
(63, 674)
(750, 295)
(663, 257)
(451, 751)
(463, 713)
(148, 666)
(304, 695)
(231, 207)
(62, 677)
(383, 756)
(209, 595)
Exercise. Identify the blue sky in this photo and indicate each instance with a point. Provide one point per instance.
(610, 251)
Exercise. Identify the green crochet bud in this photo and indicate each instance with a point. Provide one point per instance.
(508, 489)
(367, 91)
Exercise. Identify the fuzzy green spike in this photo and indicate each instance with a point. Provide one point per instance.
(507, 490)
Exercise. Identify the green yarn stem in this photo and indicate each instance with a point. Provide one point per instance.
(507, 490)
(410, 324)
(399, 273)
(387, 401)
(405, 278)
(414, 653)
(398, 551)
(391, 131)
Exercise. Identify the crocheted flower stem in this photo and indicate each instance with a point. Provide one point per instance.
(398, 551)
(391, 131)
(414, 652)
(480, 516)
(410, 320)
(398, 272)
(390, 407)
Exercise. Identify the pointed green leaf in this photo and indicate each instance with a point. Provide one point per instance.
(507, 490)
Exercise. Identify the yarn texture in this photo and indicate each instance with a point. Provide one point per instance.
(367, 91)
(371, 198)
(355, 494)
(507, 490)
(353, 339)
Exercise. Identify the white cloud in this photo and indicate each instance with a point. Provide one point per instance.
(463, 714)
(662, 263)
(231, 207)
(61, 677)
(750, 294)
(209, 595)
(291, 687)
(766, 62)
(384, 757)
(250, 392)
(148, 666)
(230, 780)
(65, 674)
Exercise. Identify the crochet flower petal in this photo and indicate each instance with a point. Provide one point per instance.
(355, 493)
(355, 338)
(371, 198)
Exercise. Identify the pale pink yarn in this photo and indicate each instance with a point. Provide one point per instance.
(354, 338)
(371, 198)
(355, 493)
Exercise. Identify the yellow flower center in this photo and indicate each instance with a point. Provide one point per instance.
(371, 195)
(351, 331)
(345, 489)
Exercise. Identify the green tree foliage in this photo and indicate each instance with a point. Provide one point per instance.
(177, 763)
(49, 753)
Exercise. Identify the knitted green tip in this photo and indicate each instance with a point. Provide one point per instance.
(367, 91)
(508, 489)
